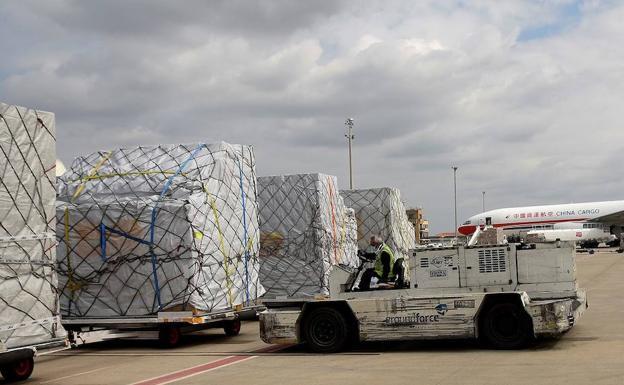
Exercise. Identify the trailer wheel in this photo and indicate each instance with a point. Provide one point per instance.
(18, 370)
(326, 330)
(169, 336)
(506, 326)
(232, 328)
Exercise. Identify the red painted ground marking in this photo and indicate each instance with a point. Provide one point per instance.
(203, 368)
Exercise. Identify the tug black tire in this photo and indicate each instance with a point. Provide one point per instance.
(326, 330)
(506, 326)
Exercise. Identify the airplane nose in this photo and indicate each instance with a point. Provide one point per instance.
(467, 230)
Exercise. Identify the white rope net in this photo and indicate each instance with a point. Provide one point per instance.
(29, 306)
(306, 229)
(380, 211)
(148, 229)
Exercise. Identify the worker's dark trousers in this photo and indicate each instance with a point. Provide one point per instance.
(366, 279)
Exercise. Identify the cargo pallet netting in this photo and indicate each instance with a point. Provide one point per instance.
(29, 303)
(380, 211)
(158, 234)
(306, 229)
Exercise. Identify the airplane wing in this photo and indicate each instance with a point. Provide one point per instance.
(616, 218)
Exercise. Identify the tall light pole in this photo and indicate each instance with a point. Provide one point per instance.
(349, 135)
(455, 195)
(483, 203)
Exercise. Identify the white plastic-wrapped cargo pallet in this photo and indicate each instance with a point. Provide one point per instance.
(169, 227)
(29, 306)
(305, 230)
(379, 211)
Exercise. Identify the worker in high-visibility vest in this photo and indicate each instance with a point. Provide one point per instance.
(384, 261)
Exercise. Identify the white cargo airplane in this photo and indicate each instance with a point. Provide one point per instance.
(588, 223)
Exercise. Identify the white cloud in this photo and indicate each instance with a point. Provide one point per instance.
(430, 84)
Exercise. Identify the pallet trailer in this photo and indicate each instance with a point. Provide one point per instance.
(170, 325)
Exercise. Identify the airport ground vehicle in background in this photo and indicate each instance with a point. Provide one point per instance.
(503, 295)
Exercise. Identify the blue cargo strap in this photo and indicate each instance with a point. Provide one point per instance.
(104, 229)
(168, 184)
(103, 242)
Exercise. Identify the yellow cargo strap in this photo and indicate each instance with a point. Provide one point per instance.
(122, 174)
(71, 284)
(250, 243)
(93, 171)
(226, 258)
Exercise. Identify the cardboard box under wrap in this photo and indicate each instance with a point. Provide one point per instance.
(379, 211)
(158, 228)
(305, 230)
(29, 307)
(490, 236)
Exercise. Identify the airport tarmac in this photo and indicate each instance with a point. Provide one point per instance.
(592, 352)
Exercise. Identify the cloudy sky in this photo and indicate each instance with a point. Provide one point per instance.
(526, 98)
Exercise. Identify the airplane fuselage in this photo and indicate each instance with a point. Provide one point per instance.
(571, 216)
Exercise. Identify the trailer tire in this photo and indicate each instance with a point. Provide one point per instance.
(232, 328)
(169, 337)
(19, 370)
(506, 326)
(326, 330)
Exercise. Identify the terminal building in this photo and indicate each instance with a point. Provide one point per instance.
(421, 225)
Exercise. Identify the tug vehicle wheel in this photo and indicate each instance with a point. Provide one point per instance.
(18, 370)
(326, 330)
(506, 326)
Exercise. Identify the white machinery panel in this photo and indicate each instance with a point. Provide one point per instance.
(487, 266)
(546, 265)
(435, 268)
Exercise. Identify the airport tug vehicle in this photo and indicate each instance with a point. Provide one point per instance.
(504, 295)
